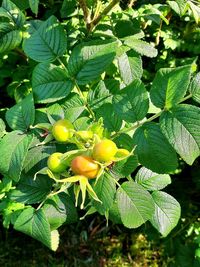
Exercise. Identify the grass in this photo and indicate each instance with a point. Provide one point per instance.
(90, 243)
(97, 246)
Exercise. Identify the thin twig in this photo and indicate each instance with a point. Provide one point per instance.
(131, 3)
(148, 120)
(21, 53)
(78, 90)
(86, 12)
(137, 125)
(62, 64)
(84, 100)
(186, 98)
(106, 10)
(157, 41)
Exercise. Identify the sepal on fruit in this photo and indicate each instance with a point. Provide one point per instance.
(46, 140)
(84, 135)
(84, 186)
(44, 126)
(89, 212)
(97, 128)
(123, 154)
(42, 171)
(70, 155)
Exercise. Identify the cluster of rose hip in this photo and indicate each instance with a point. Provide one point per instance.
(88, 163)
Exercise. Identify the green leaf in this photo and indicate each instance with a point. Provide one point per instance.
(12, 12)
(13, 150)
(38, 155)
(22, 5)
(153, 150)
(9, 37)
(47, 42)
(167, 212)
(99, 96)
(156, 13)
(55, 111)
(73, 107)
(124, 27)
(22, 115)
(181, 126)
(105, 189)
(2, 128)
(113, 85)
(35, 224)
(34, 6)
(152, 180)
(179, 6)
(82, 123)
(195, 10)
(135, 204)
(10, 210)
(60, 209)
(182, 6)
(30, 191)
(170, 86)
(89, 60)
(141, 47)
(174, 6)
(5, 186)
(114, 214)
(41, 116)
(124, 141)
(130, 67)
(125, 167)
(68, 8)
(111, 120)
(132, 103)
(50, 83)
(195, 88)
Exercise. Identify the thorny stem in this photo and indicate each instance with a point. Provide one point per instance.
(21, 53)
(97, 10)
(137, 125)
(86, 12)
(106, 10)
(148, 120)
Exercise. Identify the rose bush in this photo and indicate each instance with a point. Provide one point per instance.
(85, 108)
